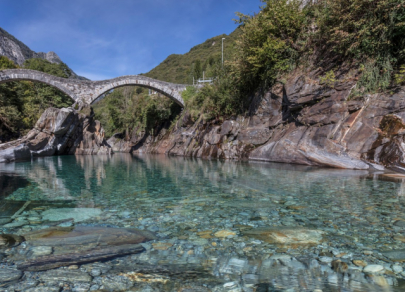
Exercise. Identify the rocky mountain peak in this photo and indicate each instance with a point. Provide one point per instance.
(18, 52)
(50, 56)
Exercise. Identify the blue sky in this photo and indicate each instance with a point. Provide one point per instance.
(102, 39)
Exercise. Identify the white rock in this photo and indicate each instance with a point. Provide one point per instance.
(41, 250)
(326, 260)
(373, 269)
(397, 269)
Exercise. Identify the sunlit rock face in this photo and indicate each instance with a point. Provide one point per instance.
(302, 122)
(58, 132)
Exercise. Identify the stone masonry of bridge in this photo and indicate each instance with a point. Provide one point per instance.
(83, 91)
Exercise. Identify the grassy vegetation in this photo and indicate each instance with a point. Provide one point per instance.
(23, 102)
(182, 68)
(367, 33)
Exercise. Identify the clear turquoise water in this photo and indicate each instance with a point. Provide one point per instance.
(355, 208)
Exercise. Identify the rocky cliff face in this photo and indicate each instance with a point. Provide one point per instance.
(302, 122)
(18, 52)
(57, 132)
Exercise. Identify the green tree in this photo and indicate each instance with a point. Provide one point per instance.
(269, 44)
(368, 33)
(5, 63)
(198, 72)
(125, 110)
(139, 90)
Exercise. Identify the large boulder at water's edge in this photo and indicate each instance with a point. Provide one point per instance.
(57, 132)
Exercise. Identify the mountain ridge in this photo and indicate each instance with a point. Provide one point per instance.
(177, 68)
(18, 52)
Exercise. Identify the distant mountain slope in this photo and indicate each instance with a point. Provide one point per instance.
(178, 68)
(18, 52)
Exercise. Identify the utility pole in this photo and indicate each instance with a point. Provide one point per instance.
(223, 52)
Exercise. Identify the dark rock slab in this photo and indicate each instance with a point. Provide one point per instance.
(79, 245)
(397, 255)
(99, 236)
(79, 257)
(9, 275)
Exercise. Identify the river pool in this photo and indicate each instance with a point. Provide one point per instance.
(216, 225)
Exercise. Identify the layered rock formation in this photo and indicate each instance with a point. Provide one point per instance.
(302, 122)
(58, 132)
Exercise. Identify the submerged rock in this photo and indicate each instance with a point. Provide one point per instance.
(78, 245)
(395, 255)
(77, 214)
(65, 276)
(9, 275)
(81, 235)
(287, 236)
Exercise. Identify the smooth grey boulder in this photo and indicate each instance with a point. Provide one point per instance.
(20, 152)
(57, 132)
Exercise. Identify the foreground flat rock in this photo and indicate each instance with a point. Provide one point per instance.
(80, 235)
(9, 275)
(286, 236)
(78, 245)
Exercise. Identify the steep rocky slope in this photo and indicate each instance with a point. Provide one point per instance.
(18, 52)
(58, 132)
(301, 122)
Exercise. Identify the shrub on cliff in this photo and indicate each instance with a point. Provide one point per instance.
(269, 44)
(5, 63)
(60, 69)
(370, 33)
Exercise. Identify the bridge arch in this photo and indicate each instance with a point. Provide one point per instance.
(172, 91)
(32, 75)
(86, 91)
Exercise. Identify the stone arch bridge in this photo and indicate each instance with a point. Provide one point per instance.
(85, 91)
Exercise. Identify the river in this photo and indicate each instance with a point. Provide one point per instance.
(219, 225)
